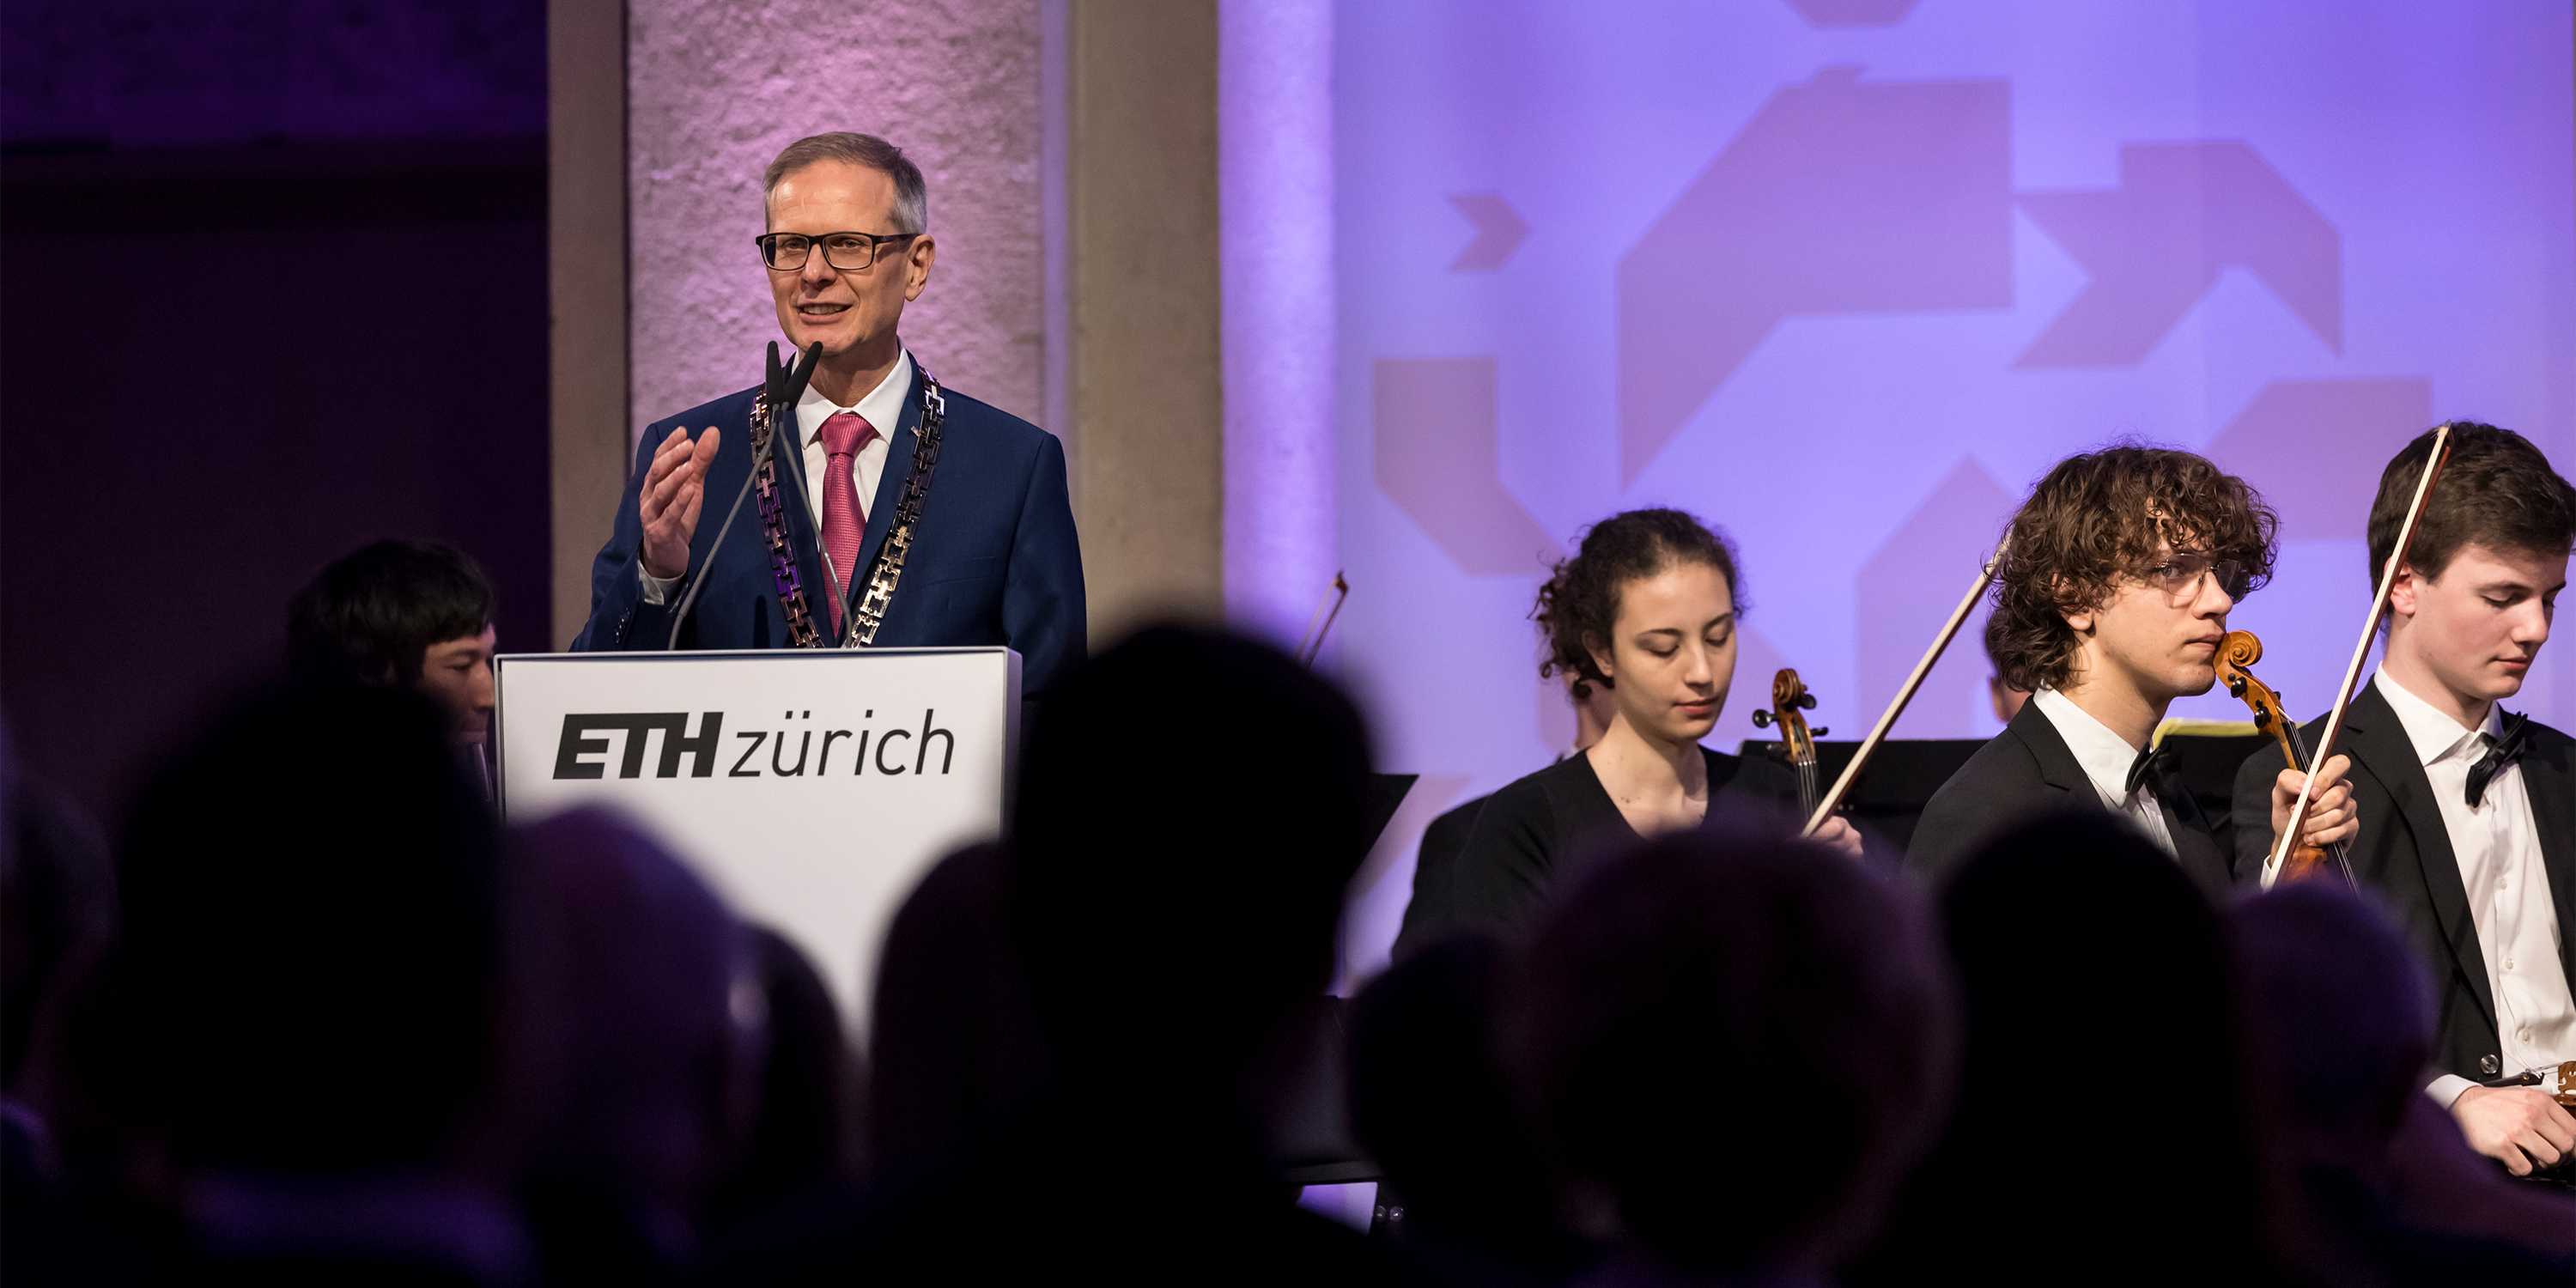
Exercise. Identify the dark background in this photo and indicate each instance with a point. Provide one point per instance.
(272, 285)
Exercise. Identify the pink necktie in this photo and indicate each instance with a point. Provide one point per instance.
(844, 519)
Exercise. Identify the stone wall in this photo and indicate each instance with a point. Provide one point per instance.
(715, 89)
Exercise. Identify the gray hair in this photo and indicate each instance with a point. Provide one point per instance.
(911, 195)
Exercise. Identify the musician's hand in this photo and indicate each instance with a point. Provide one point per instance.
(2332, 816)
(2520, 1127)
(1838, 832)
(675, 486)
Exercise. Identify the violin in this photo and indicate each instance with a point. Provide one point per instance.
(2239, 650)
(1789, 696)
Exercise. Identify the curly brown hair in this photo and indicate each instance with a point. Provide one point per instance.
(2100, 519)
(1580, 601)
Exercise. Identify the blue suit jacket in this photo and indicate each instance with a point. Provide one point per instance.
(996, 560)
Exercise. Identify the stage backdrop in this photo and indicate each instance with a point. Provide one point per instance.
(1845, 276)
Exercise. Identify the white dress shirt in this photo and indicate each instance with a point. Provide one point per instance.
(2106, 757)
(881, 408)
(2497, 846)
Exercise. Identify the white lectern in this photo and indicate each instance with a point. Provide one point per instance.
(812, 788)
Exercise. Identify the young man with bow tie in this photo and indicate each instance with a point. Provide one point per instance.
(2470, 811)
(2110, 601)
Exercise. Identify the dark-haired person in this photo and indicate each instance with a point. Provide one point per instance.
(2109, 604)
(1647, 608)
(2470, 814)
(411, 613)
(994, 559)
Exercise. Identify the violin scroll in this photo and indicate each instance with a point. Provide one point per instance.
(1789, 696)
(2238, 650)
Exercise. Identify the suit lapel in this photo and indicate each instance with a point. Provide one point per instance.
(898, 467)
(2549, 781)
(2380, 748)
(2195, 850)
(2057, 764)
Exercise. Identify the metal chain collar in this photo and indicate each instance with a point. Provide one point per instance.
(887, 569)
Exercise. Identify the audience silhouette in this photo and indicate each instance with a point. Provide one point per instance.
(317, 1018)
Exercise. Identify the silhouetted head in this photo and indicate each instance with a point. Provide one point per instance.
(2340, 1010)
(2099, 990)
(1432, 1101)
(311, 953)
(955, 1057)
(1190, 810)
(1739, 1045)
(2078, 913)
(801, 1134)
(646, 989)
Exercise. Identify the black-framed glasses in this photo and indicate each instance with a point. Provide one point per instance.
(2179, 576)
(848, 252)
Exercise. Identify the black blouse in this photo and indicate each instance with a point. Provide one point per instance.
(1543, 832)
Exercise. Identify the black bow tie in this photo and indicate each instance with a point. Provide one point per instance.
(2154, 766)
(2500, 753)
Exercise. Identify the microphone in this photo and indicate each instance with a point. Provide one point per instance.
(785, 386)
(804, 489)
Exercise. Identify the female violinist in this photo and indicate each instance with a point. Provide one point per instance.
(1647, 608)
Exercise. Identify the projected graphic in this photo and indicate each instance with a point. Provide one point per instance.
(1844, 276)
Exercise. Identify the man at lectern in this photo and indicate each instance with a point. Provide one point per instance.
(896, 511)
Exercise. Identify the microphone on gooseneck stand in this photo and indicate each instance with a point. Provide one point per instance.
(804, 489)
(784, 386)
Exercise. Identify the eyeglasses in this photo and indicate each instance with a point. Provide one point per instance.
(2179, 576)
(848, 252)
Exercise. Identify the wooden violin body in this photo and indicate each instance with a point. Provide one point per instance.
(2236, 652)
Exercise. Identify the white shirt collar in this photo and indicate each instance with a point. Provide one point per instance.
(882, 408)
(2432, 730)
(2105, 756)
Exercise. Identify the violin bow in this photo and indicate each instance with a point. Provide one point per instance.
(1325, 613)
(2288, 839)
(1905, 693)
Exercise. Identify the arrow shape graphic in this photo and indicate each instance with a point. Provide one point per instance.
(1498, 232)
(1840, 196)
(2155, 245)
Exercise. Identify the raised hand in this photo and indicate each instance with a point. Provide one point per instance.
(675, 487)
